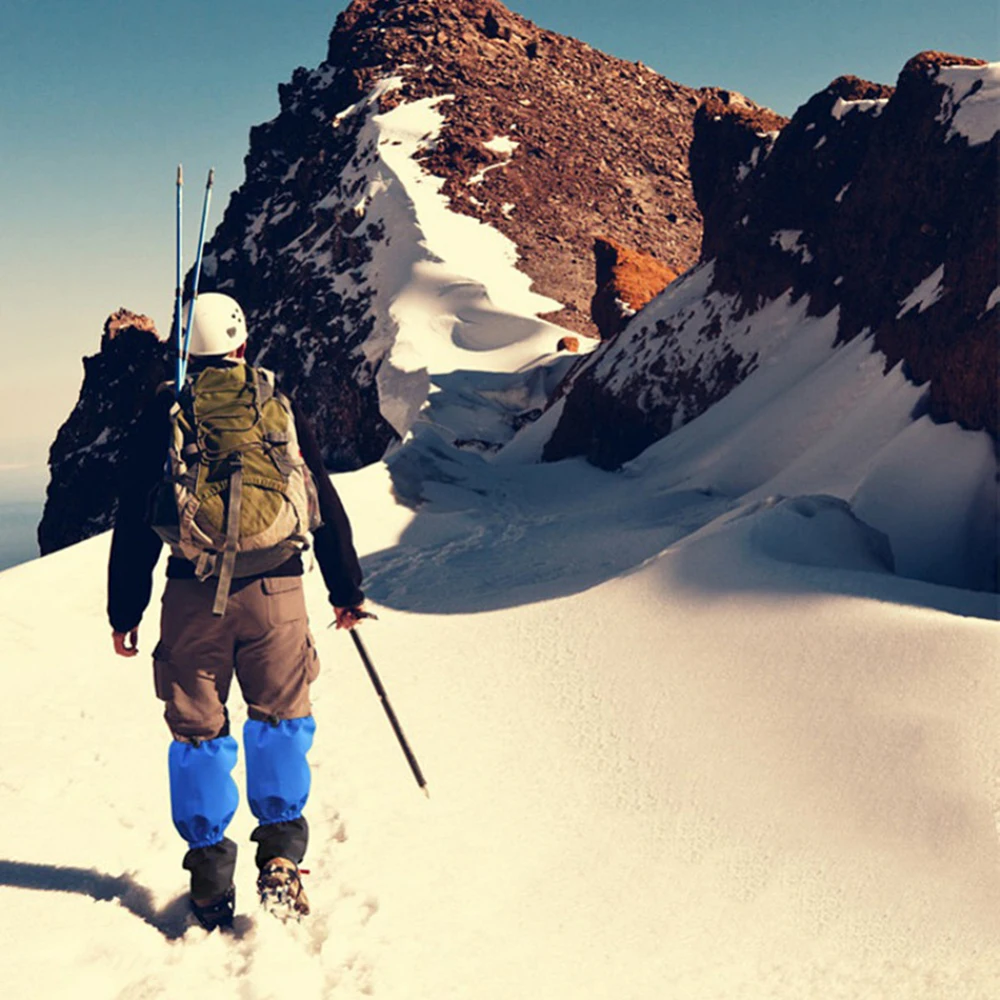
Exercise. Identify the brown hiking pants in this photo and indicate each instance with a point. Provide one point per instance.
(264, 637)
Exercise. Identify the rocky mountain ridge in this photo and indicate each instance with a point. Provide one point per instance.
(872, 201)
(530, 145)
(324, 239)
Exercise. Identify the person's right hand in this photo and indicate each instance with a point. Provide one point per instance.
(126, 643)
(350, 617)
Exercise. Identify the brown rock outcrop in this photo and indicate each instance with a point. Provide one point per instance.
(84, 459)
(626, 281)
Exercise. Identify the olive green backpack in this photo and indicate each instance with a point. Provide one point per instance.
(238, 498)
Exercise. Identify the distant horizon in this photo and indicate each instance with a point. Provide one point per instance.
(93, 144)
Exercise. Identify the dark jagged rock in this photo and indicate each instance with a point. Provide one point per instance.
(925, 199)
(731, 136)
(871, 200)
(626, 281)
(84, 460)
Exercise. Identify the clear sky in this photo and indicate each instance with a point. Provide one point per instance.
(101, 100)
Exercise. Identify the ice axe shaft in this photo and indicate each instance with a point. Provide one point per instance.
(386, 704)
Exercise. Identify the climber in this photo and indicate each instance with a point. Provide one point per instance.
(243, 492)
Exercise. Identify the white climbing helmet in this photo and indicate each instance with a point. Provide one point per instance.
(219, 325)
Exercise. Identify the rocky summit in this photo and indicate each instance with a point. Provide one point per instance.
(543, 138)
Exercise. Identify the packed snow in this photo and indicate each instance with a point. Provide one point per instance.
(970, 101)
(676, 746)
(841, 107)
(687, 731)
(925, 294)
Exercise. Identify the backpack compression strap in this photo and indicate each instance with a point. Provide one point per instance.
(232, 538)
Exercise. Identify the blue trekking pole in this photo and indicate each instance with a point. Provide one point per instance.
(178, 373)
(182, 364)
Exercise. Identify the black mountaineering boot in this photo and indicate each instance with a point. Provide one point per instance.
(215, 912)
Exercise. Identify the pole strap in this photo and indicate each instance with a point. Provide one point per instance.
(232, 538)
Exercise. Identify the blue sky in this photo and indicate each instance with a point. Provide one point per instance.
(102, 99)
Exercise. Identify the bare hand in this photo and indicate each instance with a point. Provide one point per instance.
(350, 617)
(126, 643)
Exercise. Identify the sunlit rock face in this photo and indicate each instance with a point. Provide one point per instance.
(626, 281)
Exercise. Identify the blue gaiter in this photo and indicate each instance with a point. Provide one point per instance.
(278, 774)
(203, 795)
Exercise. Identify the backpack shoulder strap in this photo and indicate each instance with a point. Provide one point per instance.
(267, 386)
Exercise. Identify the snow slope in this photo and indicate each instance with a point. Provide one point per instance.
(757, 765)
(686, 734)
(812, 416)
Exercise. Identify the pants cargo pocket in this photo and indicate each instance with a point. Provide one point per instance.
(286, 601)
(161, 672)
(312, 658)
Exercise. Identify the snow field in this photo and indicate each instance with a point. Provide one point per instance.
(716, 775)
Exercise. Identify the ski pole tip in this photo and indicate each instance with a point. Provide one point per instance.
(426, 791)
(180, 175)
(211, 176)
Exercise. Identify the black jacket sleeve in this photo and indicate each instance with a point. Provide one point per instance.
(135, 547)
(334, 543)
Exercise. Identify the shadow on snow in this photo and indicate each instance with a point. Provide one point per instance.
(489, 536)
(171, 921)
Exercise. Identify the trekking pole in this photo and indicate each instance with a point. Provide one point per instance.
(182, 365)
(394, 722)
(178, 373)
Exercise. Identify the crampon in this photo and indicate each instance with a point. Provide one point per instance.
(279, 887)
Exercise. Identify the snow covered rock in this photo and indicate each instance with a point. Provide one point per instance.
(426, 196)
(117, 382)
(545, 149)
(871, 207)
